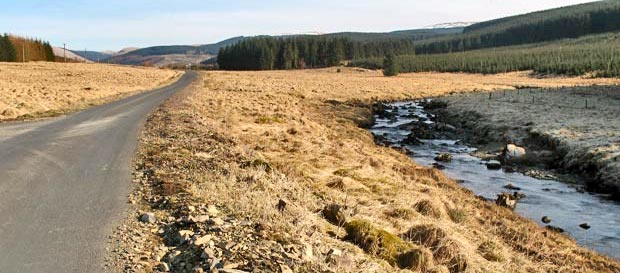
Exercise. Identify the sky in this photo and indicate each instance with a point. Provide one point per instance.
(116, 24)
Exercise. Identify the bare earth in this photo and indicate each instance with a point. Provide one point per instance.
(586, 139)
(240, 168)
(42, 89)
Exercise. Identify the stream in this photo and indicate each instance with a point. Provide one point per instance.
(564, 204)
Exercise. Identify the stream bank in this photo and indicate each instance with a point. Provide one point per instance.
(430, 142)
(570, 134)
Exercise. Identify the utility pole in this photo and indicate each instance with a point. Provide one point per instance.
(24, 52)
(64, 52)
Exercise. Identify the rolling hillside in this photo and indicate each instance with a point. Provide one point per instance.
(412, 34)
(592, 54)
(566, 22)
(94, 56)
(183, 54)
(71, 56)
(170, 55)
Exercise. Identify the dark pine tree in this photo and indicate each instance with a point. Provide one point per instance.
(390, 68)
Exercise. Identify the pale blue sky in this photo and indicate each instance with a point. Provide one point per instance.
(114, 24)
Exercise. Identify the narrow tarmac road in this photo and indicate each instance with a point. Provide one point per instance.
(64, 183)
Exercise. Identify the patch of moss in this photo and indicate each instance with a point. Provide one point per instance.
(376, 242)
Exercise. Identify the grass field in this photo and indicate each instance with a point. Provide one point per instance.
(39, 89)
(248, 141)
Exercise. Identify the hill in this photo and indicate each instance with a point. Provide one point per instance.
(412, 34)
(566, 22)
(71, 57)
(593, 55)
(94, 56)
(170, 55)
(183, 54)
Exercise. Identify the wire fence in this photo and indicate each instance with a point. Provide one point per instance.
(595, 99)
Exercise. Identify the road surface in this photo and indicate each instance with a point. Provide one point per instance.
(64, 183)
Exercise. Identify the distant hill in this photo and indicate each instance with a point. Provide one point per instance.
(94, 56)
(71, 56)
(171, 55)
(124, 51)
(412, 34)
(560, 23)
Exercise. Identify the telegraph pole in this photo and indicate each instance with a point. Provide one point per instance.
(24, 52)
(64, 52)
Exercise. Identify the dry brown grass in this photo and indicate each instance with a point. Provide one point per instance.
(303, 129)
(29, 90)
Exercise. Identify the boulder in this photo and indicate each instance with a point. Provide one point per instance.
(506, 200)
(183, 236)
(555, 229)
(202, 240)
(512, 152)
(494, 165)
(518, 195)
(411, 139)
(512, 187)
(443, 157)
(148, 217)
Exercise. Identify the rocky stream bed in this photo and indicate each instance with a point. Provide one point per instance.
(591, 219)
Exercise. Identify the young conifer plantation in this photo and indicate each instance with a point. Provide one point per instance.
(569, 22)
(597, 55)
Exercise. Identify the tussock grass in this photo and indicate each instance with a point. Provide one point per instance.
(457, 215)
(427, 235)
(42, 89)
(491, 251)
(331, 160)
(401, 213)
(427, 208)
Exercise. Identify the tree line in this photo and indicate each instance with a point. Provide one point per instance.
(18, 49)
(7, 50)
(268, 53)
(595, 55)
(569, 22)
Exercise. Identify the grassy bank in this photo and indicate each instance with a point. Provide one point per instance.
(31, 90)
(579, 126)
(279, 165)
